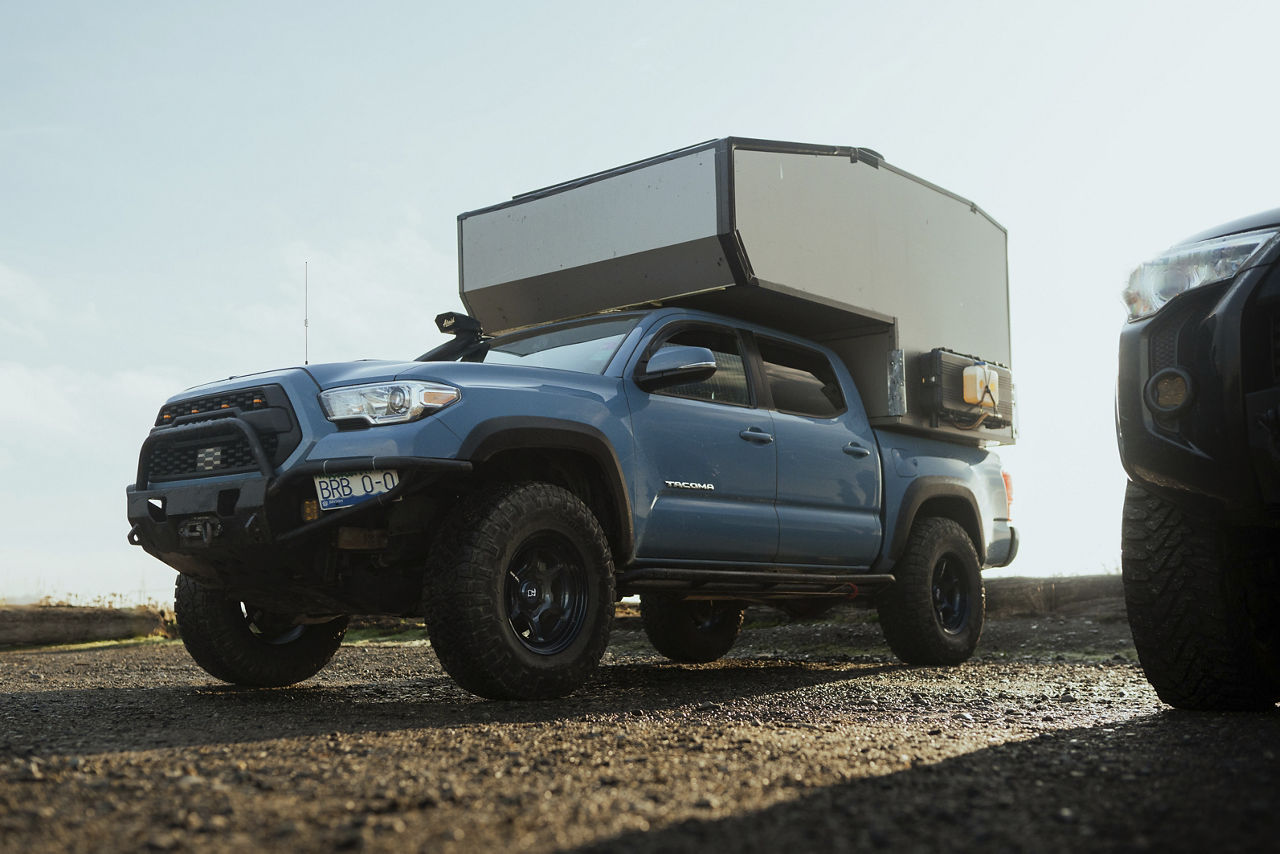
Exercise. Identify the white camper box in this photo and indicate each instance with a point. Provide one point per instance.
(907, 282)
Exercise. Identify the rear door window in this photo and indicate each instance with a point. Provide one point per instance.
(801, 381)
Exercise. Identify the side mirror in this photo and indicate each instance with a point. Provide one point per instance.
(675, 365)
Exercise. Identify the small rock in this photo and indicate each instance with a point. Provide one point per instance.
(288, 828)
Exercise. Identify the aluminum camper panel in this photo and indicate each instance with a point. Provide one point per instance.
(878, 242)
(629, 237)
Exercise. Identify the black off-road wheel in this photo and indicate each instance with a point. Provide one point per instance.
(519, 596)
(933, 613)
(245, 645)
(1201, 637)
(688, 630)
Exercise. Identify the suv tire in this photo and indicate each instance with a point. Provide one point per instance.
(245, 645)
(519, 597)
(933, 613)
(690, 631)
(1184, 588)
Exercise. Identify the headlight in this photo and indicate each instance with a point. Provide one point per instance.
(1185, 267)
(387, 403)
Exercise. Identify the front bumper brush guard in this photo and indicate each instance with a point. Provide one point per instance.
(214, 425)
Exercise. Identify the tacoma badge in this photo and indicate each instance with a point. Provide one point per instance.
(680, 484)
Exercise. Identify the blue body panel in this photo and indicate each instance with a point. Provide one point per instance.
(949, 469)
(696, 443)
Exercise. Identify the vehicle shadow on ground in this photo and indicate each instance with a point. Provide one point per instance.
(43, 723)
(1174, 781)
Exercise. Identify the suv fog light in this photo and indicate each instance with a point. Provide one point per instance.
(1169, 391)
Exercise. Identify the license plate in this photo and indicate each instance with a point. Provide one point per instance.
(336, 491)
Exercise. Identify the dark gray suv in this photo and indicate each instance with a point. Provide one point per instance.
(1198, 423)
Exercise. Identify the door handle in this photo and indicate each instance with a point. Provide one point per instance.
(755, 434)
(853, 449)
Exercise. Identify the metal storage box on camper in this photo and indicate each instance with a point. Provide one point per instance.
(907, 282)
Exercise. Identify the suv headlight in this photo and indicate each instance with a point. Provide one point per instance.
(1185, 267)
(387, 403)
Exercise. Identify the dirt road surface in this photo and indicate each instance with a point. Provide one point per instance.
(809, 737)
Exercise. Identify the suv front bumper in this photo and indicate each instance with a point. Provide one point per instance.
(1218, 453)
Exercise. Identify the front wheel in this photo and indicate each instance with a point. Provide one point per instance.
(933, 613)
(519, 596)
(240, 643)
(1185, 588)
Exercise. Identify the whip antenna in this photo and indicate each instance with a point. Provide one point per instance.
(306, 312)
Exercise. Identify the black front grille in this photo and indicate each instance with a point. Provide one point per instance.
(206, 456)
(196, 437)
(246, 400)
(1164, 348)
(1177, 329)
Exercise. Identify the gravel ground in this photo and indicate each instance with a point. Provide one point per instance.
(809, 736)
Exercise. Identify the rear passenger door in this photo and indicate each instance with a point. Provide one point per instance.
(706, 467)
(829, 479)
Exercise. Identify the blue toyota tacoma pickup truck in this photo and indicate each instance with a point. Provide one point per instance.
(511, 489)
(725, 375)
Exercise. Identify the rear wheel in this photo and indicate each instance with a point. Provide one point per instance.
(519, 597)
(933, 614)
(689, 630)
(240, 643)
(1186, 588)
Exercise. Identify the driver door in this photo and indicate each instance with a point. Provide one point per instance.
(706, 461)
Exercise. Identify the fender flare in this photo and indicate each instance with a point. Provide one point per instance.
(925, 489)
(525, 432)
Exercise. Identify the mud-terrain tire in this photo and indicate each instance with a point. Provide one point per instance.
(244, 645)
(519, 594)
(690, 631)
(933, 612)
(1185, 591)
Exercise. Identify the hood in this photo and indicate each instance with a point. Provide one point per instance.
(477, 375)
(1266, 219)
(462, 374)
(352, 373)
(454, 373)
(324, 376)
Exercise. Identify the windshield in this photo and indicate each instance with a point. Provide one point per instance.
(586, 347)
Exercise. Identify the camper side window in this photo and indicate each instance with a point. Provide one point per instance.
(729, 383)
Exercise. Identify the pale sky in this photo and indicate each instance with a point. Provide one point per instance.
(167, 169)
